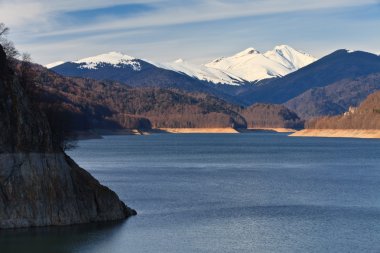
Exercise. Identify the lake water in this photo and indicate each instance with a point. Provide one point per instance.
(258, 192)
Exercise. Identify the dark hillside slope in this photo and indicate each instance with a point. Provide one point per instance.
(366, 116)
(335, 98)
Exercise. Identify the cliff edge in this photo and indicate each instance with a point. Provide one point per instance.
(39, 184)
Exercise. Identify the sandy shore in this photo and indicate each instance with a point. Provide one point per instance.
(338, 133)
(277, 130)
(228, 130)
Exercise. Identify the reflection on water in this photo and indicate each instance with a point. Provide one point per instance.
(58, 239)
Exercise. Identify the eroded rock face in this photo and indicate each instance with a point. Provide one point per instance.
(39, 184)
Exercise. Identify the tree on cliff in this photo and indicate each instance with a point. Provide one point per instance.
(23, 68)
(8, 46)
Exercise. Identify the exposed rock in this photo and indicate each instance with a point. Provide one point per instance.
(39, 184)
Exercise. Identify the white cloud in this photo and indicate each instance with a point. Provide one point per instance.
(32, 20)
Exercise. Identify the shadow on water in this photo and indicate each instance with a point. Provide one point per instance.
(58, 239)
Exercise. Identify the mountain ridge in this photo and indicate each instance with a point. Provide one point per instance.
(281, 61)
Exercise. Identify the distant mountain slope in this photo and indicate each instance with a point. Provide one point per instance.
(366, 116)
(335, 98)
(341, 64)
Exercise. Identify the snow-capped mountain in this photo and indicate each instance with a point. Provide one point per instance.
(115, 59)
(251, 65)
(202, 72)
(245, 67)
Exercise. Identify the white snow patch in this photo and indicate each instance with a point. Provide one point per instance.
(201, 72)
(115, 59)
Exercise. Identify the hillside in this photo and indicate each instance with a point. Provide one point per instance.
(94, 104)
(335, 98)
(268, 116)
(366, 116)
(89, 104)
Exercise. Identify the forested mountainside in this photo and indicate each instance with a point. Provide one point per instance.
(94, 104)
(87, 104)
(335, 98)
(269, 115)
(39, 184)
(366, 116)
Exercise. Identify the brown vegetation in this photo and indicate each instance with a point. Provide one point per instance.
(271, 116)
(366, 116)
(85, 104)
(95, 104)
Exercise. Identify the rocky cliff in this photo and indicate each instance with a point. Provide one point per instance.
(39, 184)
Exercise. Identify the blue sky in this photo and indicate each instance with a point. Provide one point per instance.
(196, 30)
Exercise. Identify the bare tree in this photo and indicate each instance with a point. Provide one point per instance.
(3, 29)
(8, 45)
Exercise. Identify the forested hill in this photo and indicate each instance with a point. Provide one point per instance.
(366, 116)
(88, 104)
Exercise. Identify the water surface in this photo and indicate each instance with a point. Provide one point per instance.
(259, 192)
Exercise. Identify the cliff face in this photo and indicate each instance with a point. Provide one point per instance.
(39, 184)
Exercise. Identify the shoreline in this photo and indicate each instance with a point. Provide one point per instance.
(271, 129)
(339, 133)
(98, 133)
(216, 130)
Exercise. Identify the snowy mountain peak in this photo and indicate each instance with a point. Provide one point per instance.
(283, 47)
(251, 65)
(248, 51)
(112, 58)
(180, 60)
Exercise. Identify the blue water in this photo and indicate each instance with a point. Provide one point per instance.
(259, 192)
